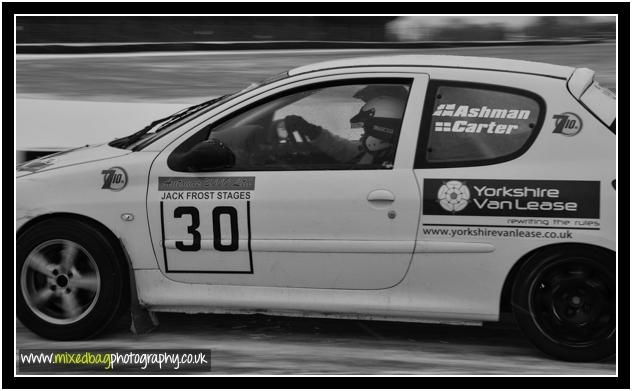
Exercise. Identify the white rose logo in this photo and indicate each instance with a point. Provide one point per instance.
(453, 196)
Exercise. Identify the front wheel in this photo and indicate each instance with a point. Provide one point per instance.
(69, 280)
(564, 301)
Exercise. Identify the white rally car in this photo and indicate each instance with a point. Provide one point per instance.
(407, 188)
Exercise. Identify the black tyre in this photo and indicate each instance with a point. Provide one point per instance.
(563, 299)
(69, 281)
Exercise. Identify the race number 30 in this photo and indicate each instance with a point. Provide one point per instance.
(216, 214)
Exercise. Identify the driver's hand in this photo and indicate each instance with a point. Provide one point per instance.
(295, 122)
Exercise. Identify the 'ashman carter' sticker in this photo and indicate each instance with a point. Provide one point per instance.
(523, 198)
(454, 111)
(465, 111)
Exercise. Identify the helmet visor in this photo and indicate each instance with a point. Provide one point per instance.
(360, 119)
(383, 128)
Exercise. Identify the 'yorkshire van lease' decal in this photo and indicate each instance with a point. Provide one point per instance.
(520, 198)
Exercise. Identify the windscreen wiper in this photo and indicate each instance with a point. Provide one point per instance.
(124, 142)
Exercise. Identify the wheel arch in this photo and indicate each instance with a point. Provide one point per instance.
(505, 297)
(113, 240)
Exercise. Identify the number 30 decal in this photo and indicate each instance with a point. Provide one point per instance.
(234, 231)
(217, 232)
(192, 229)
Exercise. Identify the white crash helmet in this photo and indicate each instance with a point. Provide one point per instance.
(381, 119)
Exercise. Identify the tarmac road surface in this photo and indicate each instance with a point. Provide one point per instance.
(265, 345)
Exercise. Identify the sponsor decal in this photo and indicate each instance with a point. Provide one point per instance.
(202, 195)
(518, 198)
(568, 124)
(206, 183)
(484, 112)
(465, 111)
(456, 231)
(217, 238)
(114, 178)
(473, 127)
(453, 196)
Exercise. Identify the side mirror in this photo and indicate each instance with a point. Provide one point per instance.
(208, 155)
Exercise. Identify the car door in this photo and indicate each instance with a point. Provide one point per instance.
(290, 213)
(497, 181)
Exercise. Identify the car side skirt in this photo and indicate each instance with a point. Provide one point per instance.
(158, 293)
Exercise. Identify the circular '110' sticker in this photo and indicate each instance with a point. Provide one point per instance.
(568, 124)
(114, 178)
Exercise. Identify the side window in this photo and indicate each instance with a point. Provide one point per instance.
(470, 124)
(328, 126)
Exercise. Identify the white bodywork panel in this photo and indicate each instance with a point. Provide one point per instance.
(314, 229)
(552, 157)
(401, 303)
(388, 268)
(81, 193)
(439, 61)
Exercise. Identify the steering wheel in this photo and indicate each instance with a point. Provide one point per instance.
(305, 139)
(280, 125)
(290, 133)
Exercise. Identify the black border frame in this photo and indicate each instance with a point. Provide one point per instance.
(622, 381)
(426, 120)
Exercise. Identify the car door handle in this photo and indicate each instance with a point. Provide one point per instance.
(380, 196)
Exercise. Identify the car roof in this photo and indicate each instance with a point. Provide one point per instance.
(464, 62)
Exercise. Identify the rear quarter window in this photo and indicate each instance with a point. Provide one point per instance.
(468, 124)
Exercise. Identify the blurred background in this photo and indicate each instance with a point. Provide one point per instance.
(327, 28)
(90, 79)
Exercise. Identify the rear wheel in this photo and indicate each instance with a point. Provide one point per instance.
(564, 301)
(69, 280)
